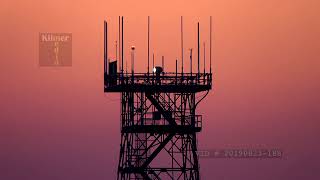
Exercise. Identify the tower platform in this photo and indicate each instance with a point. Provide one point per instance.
(149, 82)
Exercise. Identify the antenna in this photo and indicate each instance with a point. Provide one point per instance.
(210, 40)
(191, 61)
(117, 53)
(153, 68)
(132, 59)
(105, 47)
(121, 42)
(204, 58)
(120, 64)
(176, 71)
(148, 44)
(182, 44)
(198, 48)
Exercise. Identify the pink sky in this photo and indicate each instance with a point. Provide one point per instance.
(56, 123)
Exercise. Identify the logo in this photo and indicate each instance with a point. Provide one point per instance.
(55, 49)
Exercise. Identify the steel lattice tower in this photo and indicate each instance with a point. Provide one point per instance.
(158, 118)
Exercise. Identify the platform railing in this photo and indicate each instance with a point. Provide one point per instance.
(162, 79)
(180, 120)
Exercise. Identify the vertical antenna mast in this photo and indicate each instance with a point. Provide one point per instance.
(117, 55)
(191, 61)
(120, 64)
(204, 57)
(105, 48)
(181, 45)
(210, 40)
(176, 67)
(148, 44)
(153, 60)
(122, 43)
(198, 48)
(176, 71)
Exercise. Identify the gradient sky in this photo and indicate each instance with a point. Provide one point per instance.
(57, 124)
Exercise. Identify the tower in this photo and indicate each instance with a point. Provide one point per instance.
(159, 123)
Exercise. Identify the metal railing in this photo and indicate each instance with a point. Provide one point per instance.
(180, 120)
(162, 79)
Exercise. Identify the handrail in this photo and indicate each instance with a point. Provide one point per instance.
(164, 79)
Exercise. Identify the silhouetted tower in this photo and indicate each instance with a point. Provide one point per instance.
(158, 116)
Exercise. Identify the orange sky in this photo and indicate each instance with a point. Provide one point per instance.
(58, 123)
